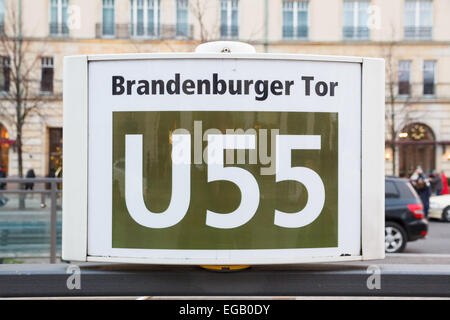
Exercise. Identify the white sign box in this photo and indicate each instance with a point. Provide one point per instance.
(223, 158)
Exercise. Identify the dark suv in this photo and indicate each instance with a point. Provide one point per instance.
(404, 215)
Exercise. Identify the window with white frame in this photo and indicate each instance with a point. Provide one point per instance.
(47, 72)
(229, 25)
(2, 16)
(108, 24)
(418, 19)
(429, 69)
(145, 18)
(59, 17)
(355, 20)
(404, 77)
(295, 19)
(182, 27)
(4, 74)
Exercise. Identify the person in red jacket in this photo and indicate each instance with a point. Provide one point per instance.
(444, 183)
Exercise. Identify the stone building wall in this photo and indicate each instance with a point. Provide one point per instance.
(325, 37)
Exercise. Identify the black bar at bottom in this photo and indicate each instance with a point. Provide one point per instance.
(299, 280)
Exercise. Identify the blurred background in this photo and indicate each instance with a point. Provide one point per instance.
(413, 36)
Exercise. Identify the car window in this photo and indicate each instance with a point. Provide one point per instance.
(391, 190)
(406, 190)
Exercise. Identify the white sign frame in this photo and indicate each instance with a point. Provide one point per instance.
(75, 173)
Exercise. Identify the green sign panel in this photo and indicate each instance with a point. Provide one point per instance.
(247, 199)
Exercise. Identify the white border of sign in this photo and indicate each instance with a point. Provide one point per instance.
(75, 173)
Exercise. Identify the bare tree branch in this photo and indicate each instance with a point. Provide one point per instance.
(398, 107)
(21, 96)
(199, 10)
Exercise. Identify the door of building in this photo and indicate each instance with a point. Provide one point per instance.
(55, 152)
(417, 148)
(4, 148)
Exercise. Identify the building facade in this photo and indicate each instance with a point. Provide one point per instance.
(412, 35)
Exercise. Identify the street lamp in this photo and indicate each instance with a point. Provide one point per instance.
(388, 155)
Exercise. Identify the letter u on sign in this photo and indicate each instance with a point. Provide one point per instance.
(181, 182)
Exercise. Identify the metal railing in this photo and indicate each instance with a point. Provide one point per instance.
(229, 32)
(297, 33)
(22, 226)
(356, 33)
(59, 29)
(418, 33)
(141, 31)
(417, 92)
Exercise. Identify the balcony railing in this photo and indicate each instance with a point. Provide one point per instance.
(183, 30)
(429, 89)
(174, 31)
(108, 30)
(298, 33)
(59, 29)
(404, 88)
(229, 32)
(356, 33)
(417, 92)
(140, 31)
(418, 33)
(118, 31)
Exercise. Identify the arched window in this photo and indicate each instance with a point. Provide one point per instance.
(417, 147)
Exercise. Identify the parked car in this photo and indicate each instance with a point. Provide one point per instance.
(440, 207)
(404, 215)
